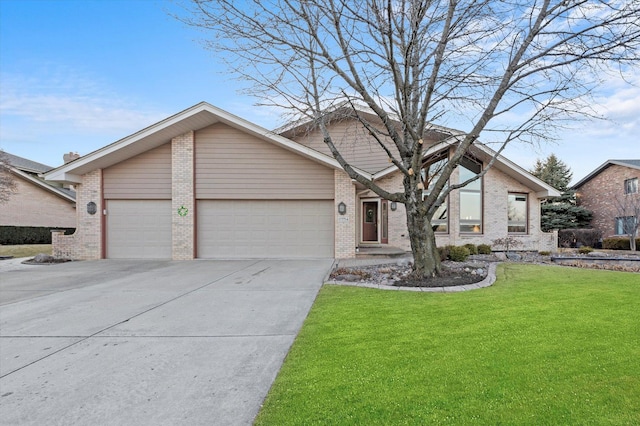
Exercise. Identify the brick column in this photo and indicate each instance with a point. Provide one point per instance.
(86, 242)
(345, 225)
(182, 197)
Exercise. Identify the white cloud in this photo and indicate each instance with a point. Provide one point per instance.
(61, 111)
(65, 100)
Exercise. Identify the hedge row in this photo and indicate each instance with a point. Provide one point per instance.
(619, 244)
(11, 235)
(579, 238)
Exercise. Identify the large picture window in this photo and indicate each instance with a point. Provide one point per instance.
(470, 197)
(430, 174)
(517, 214)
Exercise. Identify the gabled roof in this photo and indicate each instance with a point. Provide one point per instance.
(192, 119)
(27, 165)
(64, 193)
(633, 164)
(506, 166)
(448, 137)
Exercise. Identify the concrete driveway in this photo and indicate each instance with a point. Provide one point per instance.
(148, 342)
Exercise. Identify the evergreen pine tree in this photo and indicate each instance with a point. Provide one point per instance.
(560, 212)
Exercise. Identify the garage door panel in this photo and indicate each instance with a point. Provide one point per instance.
(265, 228)
(138, 229)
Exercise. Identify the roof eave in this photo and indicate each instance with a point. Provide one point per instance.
(541, 188)
(599, 169)
(161, 132)
(43, 185)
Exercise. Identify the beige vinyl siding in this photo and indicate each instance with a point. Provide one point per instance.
(355, 144)
(145, 176)
(231, 164)
(352, 141)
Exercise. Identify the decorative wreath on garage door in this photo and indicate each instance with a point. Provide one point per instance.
(182, 211)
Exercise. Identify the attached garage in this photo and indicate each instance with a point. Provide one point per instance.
(265, 228)
(137, 194)
(138, 229)
(258, 200)
(206, 184)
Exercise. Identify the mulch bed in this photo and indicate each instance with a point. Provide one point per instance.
(399, 274)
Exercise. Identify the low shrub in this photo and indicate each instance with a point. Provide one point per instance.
(544, 253)
(618, 243)
(13, 235)
(444, 253)
(458, 253)
(579, 237)
(585, 250)
(473, 249)
(484, 249)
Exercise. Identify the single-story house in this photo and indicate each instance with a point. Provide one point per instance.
(35, 202)
(606, 191)
(207, 184)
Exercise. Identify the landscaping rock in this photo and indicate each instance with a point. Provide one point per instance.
(514, 256)
(348, 277)
(43, 258)
(597, 254)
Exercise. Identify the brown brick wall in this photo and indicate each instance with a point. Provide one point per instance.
(31, 205)
(599, 195)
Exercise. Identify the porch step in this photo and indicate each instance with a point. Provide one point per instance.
(365, 252)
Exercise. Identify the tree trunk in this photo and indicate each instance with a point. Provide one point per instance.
(426, 259)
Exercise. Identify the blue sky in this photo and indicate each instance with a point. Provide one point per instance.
(76, 75)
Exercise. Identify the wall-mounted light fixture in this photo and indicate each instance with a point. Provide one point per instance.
(394, 206)
(342, 208)
(92, 208)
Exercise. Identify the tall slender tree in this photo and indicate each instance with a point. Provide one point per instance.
(415, 62)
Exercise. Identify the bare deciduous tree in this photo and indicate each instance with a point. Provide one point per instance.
(628, 220)
(7, 180)
(506, 71)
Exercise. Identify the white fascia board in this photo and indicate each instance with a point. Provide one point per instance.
(69, 168)
(69, 172)
(62, 177)
(514, 170)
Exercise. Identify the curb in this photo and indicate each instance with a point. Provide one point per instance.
(486, 282)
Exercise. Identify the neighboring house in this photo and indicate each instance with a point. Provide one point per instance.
(207, 184)
(603, 189)
(36, 202)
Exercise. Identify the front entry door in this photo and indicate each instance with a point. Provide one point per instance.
(370, 221)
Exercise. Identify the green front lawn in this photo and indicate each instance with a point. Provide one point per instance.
(544, 345)
(25, 250)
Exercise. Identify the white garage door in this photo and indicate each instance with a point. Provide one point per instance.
(265, 229)
(138, 229)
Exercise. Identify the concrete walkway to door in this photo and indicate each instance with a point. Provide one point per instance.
(148, 342)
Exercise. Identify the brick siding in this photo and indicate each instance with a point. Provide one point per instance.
(599, 195)
(496, 187)
(182, 195)
(32, 205)
(345, 231)
(86, 242)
